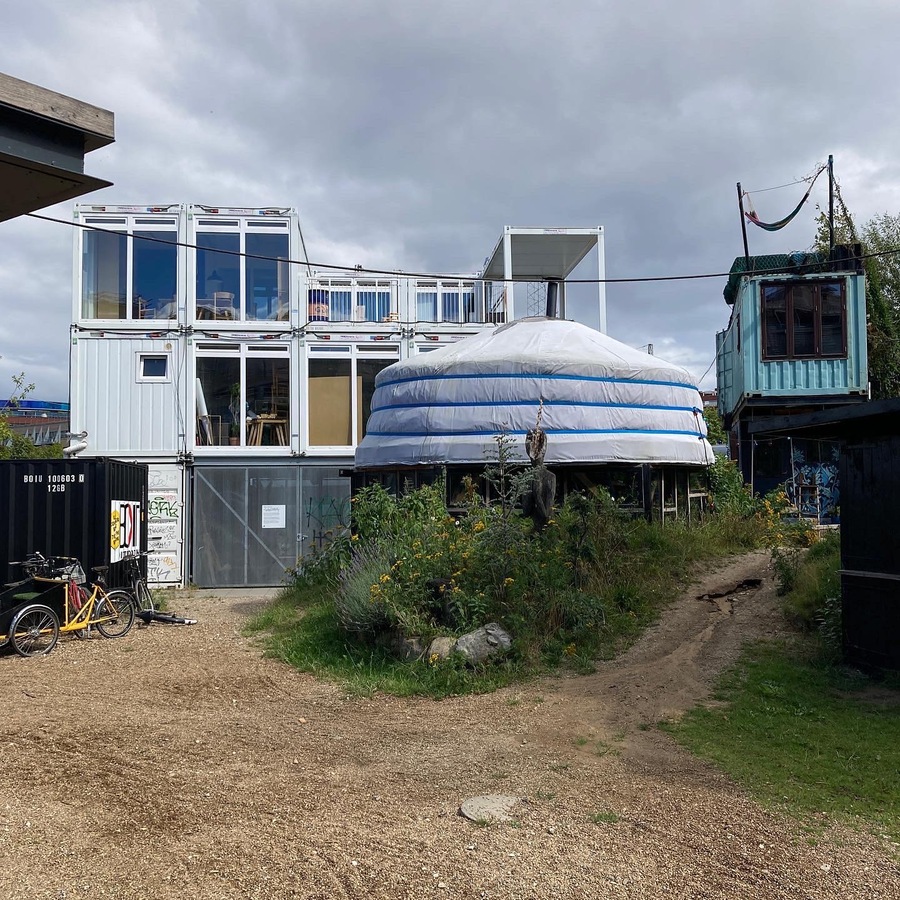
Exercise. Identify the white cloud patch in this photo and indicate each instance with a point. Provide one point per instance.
(408, 134)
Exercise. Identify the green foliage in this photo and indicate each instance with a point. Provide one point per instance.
(716, 433)
(729, 493)
(17, 446)
(579, 590)
(804, 736)
(811, 586)
(879, 235)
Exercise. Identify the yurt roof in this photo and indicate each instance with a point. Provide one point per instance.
(599, 400)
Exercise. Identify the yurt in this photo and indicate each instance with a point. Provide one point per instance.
(613, 415)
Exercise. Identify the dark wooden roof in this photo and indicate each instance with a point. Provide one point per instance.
(878, 417)
(44, 137)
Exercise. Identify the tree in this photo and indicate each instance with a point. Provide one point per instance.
(716, 433)
(14, 445)
(880, 235)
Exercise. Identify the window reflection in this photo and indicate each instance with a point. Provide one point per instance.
(103, 275)
(267, 279)
(153, 280)
(218, 275)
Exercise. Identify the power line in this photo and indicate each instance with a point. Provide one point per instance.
(403, 273)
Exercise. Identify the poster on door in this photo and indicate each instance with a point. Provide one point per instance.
(125, 529)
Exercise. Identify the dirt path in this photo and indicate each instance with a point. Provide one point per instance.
(180, 763)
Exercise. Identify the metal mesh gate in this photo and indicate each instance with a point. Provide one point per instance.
(250, 523)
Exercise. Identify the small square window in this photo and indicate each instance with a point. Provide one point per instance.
(154, 367)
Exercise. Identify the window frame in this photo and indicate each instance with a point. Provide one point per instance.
(352, 353)
(243, 351)
(127, 224)
(142, 355)
(241, 226)
(790, 342)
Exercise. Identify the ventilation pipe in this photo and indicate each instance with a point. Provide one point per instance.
(79, 445)
(552, 298)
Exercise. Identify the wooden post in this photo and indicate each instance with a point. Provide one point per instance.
(830, 206)
(743, 226)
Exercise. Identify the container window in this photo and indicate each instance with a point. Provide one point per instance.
(154, 367)
(804, 320)
(154, 273)
(103, 275)
(330, 403)
(267, 279)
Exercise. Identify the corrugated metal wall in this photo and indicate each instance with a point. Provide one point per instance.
(122, 414)
(71, 508)
(744, 372)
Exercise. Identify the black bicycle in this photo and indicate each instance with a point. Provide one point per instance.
(137, 586)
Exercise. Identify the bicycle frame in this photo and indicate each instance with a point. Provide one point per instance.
(80, 614)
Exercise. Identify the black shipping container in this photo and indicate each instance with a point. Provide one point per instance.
(93, 509)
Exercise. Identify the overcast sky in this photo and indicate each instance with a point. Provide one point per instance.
(408, 132)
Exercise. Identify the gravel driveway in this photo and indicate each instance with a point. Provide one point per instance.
(181, 763)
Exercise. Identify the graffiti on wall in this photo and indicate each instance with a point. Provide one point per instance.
(813, 487)
(322, 517)
(164, 525)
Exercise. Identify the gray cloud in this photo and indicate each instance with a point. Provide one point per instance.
(408, 133)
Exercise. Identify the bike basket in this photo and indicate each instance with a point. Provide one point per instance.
(71, 572)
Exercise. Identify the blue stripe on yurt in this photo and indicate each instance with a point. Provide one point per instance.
(547, 403)
(535, 375)
(495, 432)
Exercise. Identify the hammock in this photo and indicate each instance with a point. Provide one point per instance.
(776, 226)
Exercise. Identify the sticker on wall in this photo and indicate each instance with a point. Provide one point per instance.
(125, 529)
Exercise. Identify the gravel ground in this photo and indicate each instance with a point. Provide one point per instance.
(180, 763)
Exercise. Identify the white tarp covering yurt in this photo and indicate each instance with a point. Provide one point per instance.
(603, 401)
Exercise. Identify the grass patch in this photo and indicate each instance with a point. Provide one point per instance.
(604, 817)
(802, 735)
(309, 637)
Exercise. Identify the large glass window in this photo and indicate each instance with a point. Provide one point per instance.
(330, 403)
(218, 387)
(804, 319)
(104, 284)
(129, 275)
(267, 279)
(218, 275)
(254, 286)
(243, 398)
(153, 276)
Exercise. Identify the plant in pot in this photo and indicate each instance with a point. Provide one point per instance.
(234, 407)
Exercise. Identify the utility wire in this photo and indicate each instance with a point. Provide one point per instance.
(402, 273)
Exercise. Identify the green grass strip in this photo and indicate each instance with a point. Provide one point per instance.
(799, 734)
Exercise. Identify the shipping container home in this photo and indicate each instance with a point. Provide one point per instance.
(795, 343)
(869, 471)
(92, 509)
(204, 345)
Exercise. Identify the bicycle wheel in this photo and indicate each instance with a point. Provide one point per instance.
(34, 630)
(114, 614)
(142, 597)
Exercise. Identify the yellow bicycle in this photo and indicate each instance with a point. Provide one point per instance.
(52, 601)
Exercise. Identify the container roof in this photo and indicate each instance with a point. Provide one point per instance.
(542, 254)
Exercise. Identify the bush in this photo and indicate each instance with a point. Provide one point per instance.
(811, 586)
(577, 590)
